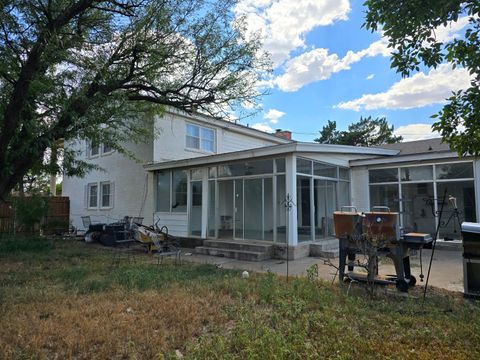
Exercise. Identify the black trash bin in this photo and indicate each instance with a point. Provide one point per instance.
(471, 258)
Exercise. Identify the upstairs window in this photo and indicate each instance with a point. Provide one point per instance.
(200, 138)
(92, 150)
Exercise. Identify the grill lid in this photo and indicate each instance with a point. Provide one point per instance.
(471, 227)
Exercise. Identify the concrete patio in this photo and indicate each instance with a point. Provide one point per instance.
(446, 272)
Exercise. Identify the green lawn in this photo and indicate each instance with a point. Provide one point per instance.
(64, 299)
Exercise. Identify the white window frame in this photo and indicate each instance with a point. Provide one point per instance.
(89, 150)
(200, 138)
(110, 195)
(107, 152)
(89, 187)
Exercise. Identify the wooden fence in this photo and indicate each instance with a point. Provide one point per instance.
(56, 221)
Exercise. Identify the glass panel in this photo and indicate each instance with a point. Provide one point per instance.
(207, 145)
(326, 170)
(383, 175)
(268, 209)
(93, 192)
(105, 195)
(212, 172)
(416, 173)
(253, 202)
(280, 165)
(193, 143)
(281, 210)
(247, 168)
(211, 208)
(94, 150)
(384, 195)
(196, 208)
(343, 194)
(304, 166)
(179, 191)
(208, 134)
(193, 130)
(107, 148)
(454, 171)
(196, 174)
(325, 204)
(344, 173)
(225, 209)
(303, 209)
(163, 191)
(464, 193)
(239, 209)
(417, 214)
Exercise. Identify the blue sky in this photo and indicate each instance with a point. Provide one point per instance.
(327, 67)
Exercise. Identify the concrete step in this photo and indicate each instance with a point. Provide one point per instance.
(244, 255)
(328, 250)
(238, 245)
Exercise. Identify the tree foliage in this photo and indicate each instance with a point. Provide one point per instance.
(366, 132)
(101, 69)
(410, 28)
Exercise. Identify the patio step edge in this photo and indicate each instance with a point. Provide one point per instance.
(233, 253)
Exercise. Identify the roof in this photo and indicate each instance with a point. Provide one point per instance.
(273, 150)
(419, 146)
(429, 149)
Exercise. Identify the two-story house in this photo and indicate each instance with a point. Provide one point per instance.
(219, 182)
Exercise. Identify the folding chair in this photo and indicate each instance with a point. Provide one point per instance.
(166, 249)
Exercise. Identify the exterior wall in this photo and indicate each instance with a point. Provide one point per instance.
(360, 193)
(131, 185)
(170, 143)
(177, 223)
(334, 159)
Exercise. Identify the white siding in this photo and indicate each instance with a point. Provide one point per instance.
(132, 195)
(170, 142)
(175, 222)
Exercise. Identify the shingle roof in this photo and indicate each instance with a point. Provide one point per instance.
(419, 147)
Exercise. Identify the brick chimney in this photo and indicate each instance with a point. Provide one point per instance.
(283, 134)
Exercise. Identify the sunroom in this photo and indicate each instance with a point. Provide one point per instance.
(282, 194)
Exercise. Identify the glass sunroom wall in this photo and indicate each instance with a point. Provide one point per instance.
(280, 210)
(325, 204)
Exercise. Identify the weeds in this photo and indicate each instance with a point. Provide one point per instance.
(66, 300)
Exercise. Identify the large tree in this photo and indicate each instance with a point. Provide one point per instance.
(101, 69)
(410, 27)
(366, 132)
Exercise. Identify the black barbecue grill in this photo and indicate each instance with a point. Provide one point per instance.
(471, 258)
(376, 234)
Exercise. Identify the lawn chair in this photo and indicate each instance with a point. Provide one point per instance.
(92, 231)
(166, 248)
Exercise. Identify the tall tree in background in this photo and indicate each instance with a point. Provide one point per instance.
(410, 28)
(101, 69)
(366, 132)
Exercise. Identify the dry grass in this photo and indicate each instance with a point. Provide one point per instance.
(109, 325)
(63, 299)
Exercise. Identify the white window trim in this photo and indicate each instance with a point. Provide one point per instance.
(100, 203)
(104, 153)
(89, 186)
(170, 195)
(89, 151)
(99, 184)
(200, 150)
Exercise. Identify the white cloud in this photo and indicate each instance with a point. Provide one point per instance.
(414, 92)
(273, 115)
(309, 67)
(370, 77)
(263, 127)
(317, 64)
(418, 131)
(284, 24)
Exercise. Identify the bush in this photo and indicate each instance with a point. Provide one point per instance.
(29, 212)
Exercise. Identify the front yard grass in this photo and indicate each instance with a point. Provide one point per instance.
(64, 299)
